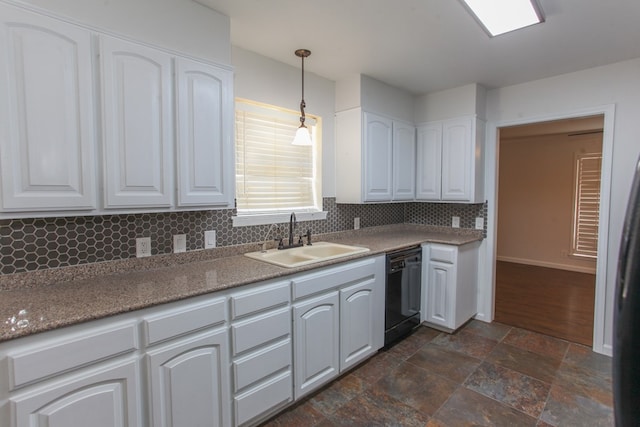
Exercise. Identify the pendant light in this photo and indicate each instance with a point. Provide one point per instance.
(302, 134)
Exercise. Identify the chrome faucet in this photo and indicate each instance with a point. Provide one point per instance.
(292, 227)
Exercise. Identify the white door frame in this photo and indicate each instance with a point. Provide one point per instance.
(486, 294)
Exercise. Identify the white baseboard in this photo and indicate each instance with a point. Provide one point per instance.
(548, 264)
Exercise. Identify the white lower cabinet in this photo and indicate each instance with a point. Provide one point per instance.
(105, 396)
(231, 358)
(317, 337)
(450, 277)
(189, 381)
(338, 318)
(261, 351)
(359, 312)
(85, 375)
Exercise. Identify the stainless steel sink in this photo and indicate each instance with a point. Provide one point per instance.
(304, 255)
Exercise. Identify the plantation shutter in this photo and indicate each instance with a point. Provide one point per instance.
(272, 174)
(587, 205)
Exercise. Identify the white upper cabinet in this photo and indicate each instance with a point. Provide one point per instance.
(205, 134)
(404, 161)
(450, 161)
(378, 152)
(46, 114)
(375, 158)
(429, 168)
(137, 124)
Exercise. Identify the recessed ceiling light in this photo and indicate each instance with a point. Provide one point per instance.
(501, 16)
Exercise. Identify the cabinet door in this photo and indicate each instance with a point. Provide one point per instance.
(440, 293)
(357, 323)
(190, 381)
(136, 97)
(101, 397)
(377, 158)
(46, 114)
(429, 162)
(316, 327)
(404, 161)
(204, 145)
(457, 157)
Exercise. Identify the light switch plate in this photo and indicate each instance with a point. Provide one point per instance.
(455, 221)
(179, 243)
(479, 223)
(143, 247)
(210, 239)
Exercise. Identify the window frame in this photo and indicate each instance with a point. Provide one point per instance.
(577, 243)
(245, 217)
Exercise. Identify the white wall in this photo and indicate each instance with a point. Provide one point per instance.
(262, 79)
(465, 100)
(179, 25)
(564, 95)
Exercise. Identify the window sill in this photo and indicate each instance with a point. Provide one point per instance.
(279, 218)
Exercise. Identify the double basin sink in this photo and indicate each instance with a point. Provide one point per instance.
(305, 255)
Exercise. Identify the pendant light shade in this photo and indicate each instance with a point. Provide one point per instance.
(302, 134)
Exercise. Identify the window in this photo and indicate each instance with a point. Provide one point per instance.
(586, 205)
(272, 175)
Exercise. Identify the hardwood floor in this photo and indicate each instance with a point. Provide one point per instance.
(553, 302)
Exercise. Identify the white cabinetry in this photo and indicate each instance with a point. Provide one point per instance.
(46, 114)
(261, 351)
(148, 152)
(450, 156)
(375, 158)
(338, 319)
(204, 134)
(404, 161)
(450, 277)
(378, 155)
(188, 376)
(137, 124)
(89, 376)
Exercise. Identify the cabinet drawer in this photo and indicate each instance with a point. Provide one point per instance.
(263, 398)
(172, 323)
(332, 277)
(443, 253)
(262, 363)
(259, 299)
(259, 330)
(78, 350)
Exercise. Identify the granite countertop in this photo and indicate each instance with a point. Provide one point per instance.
(37, 302)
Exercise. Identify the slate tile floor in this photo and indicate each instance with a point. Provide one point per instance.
(483, 375)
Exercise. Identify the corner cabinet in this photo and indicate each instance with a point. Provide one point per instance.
(450, 156)
(47, 128)
(375, 158)
(450, 281)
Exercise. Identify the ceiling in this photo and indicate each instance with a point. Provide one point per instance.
(429, 45)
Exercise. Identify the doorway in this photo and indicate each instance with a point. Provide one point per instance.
(546, 230)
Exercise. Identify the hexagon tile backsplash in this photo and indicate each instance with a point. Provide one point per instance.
(41, 243)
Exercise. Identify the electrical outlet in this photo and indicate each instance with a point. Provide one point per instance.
(179, 243)
(143, 247)
(356, 223)
(210, 239)
(479, 223)
(455, 221)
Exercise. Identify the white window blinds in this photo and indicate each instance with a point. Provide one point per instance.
(587, 205)
(272, 175)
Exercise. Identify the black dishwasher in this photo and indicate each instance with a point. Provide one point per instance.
(403, 291)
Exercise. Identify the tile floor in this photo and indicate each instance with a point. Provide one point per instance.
(483, 375)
